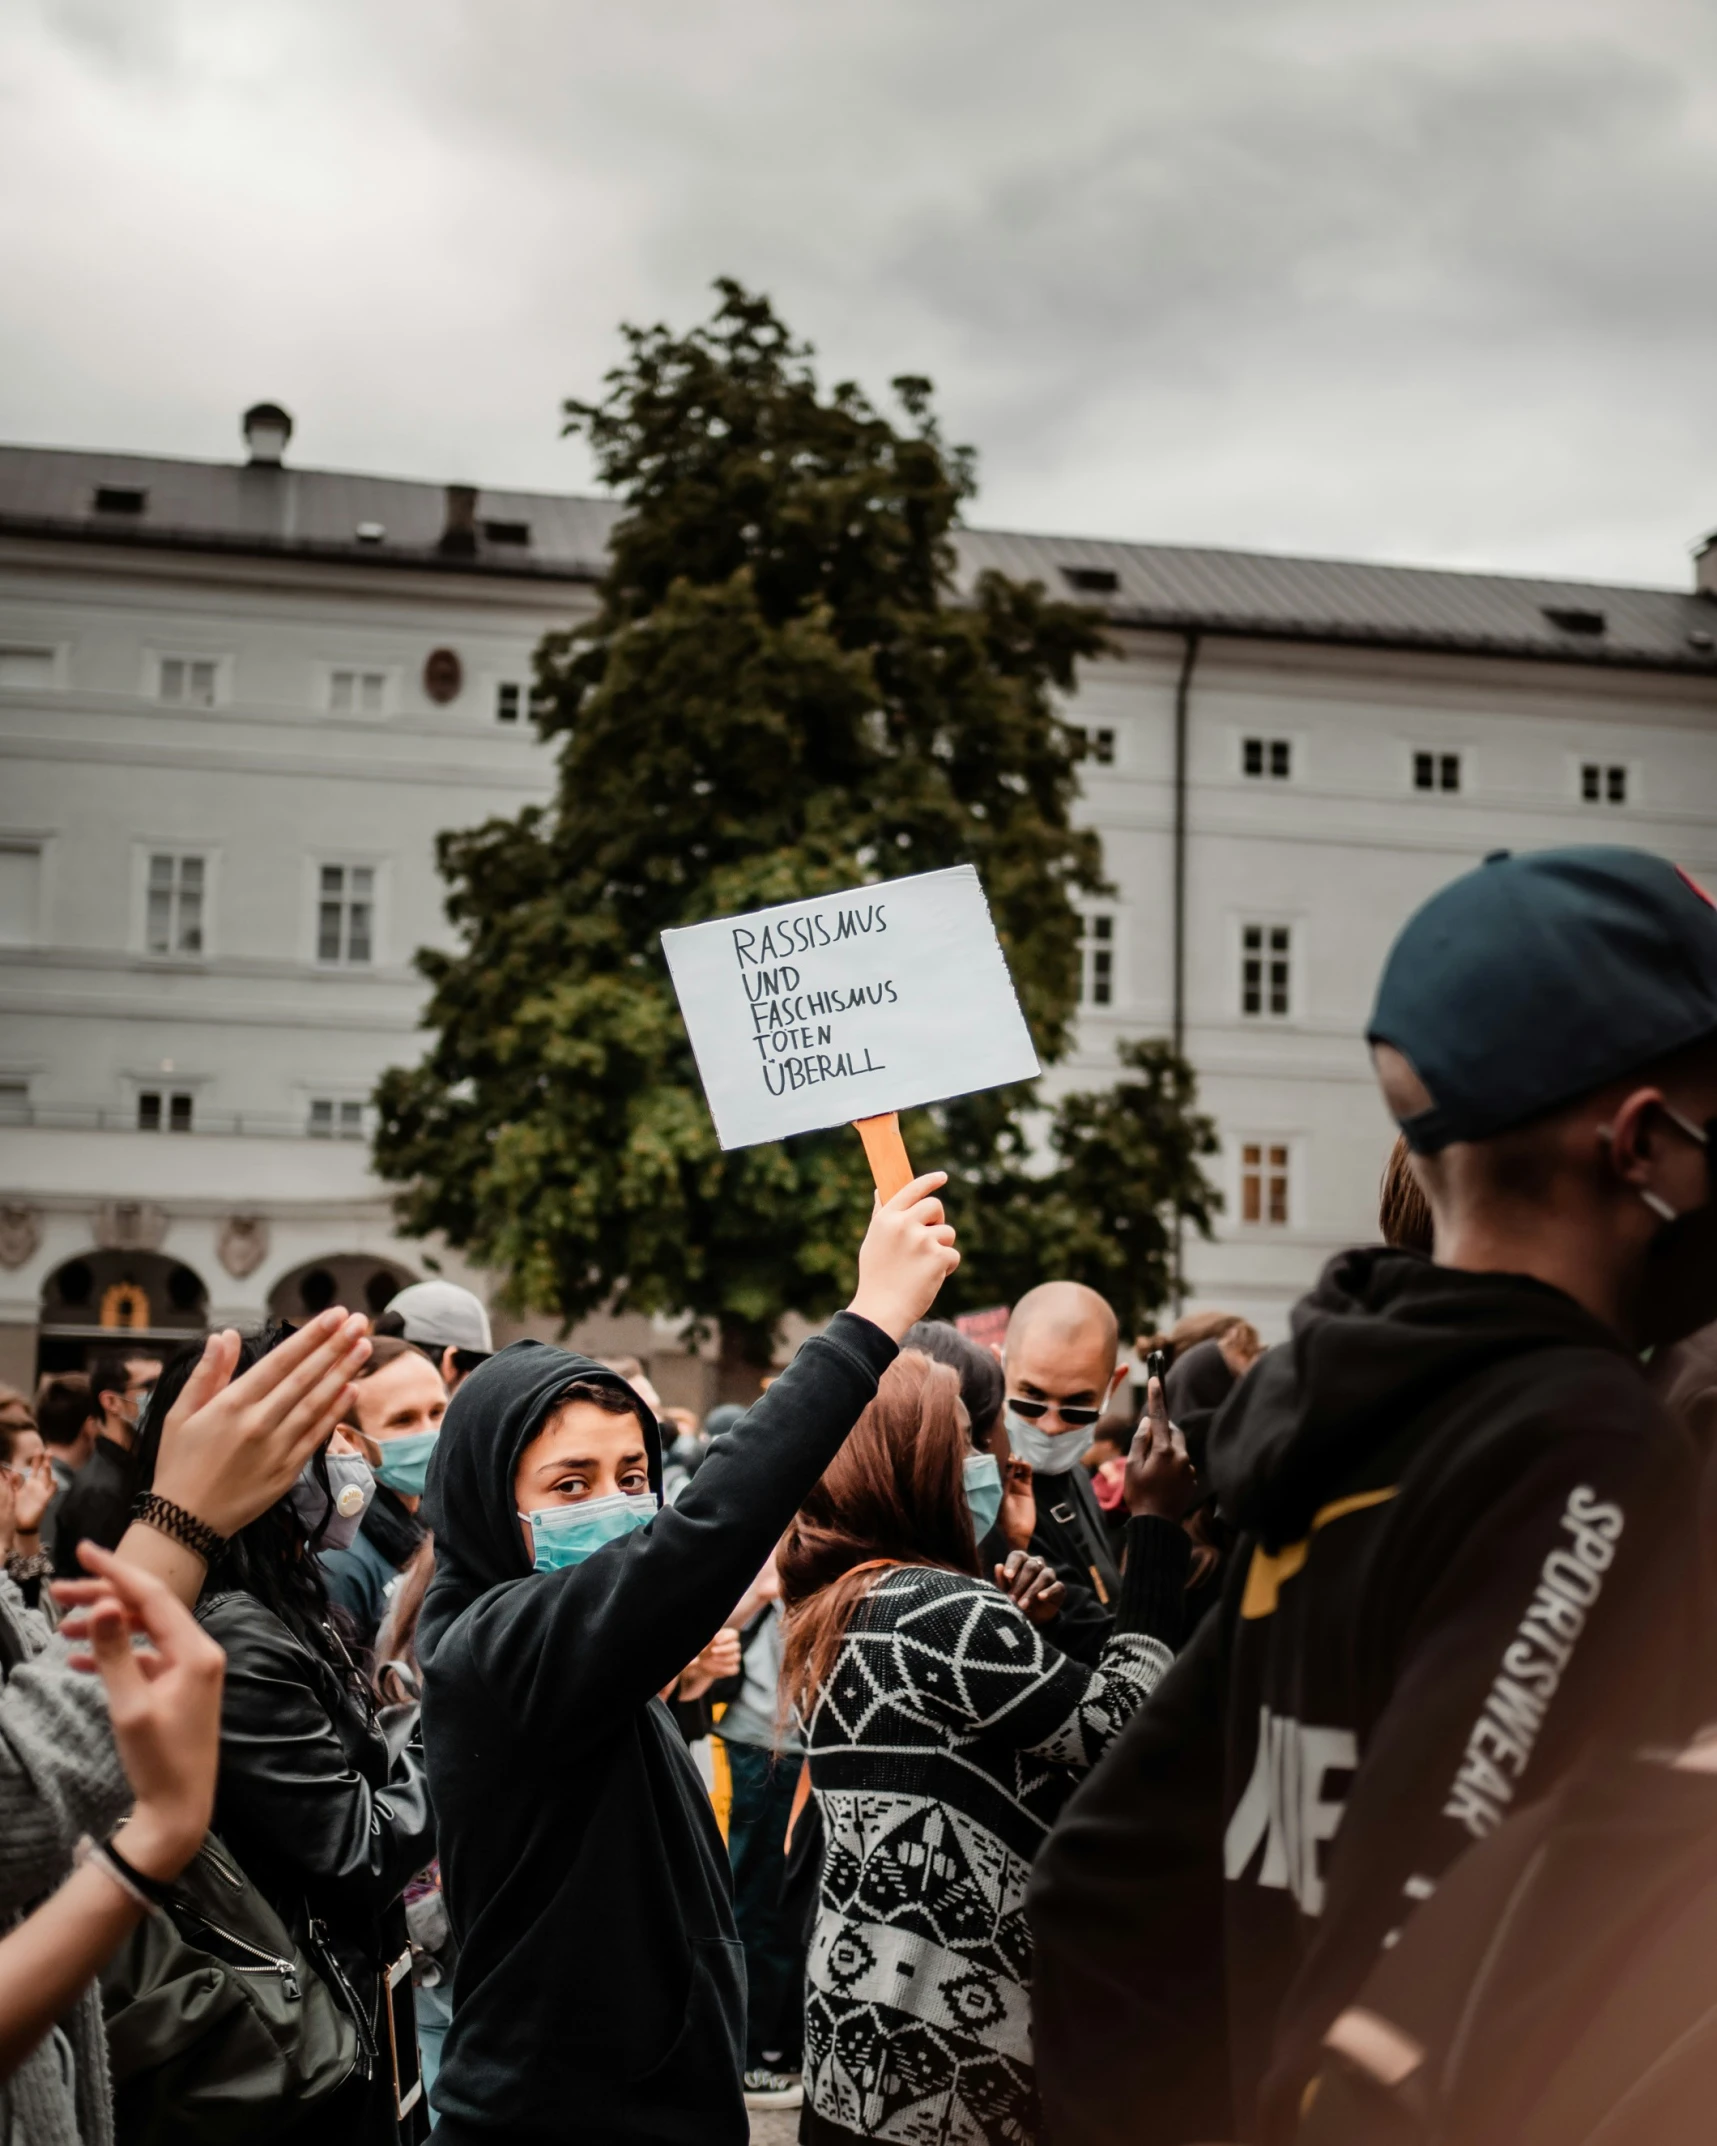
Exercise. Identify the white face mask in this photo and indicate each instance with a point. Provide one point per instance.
(1048, 1452)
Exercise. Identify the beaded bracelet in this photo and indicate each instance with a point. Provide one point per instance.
(169, 1519)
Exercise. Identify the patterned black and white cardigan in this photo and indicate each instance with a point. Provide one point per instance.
(944, 1744)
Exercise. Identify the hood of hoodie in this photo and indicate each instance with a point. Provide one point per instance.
(1383, 1336)
(1197, 1385)
(468, 1500)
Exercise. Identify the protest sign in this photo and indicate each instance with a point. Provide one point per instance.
(849, 1007)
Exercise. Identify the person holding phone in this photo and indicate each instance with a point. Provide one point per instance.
(601, 1986)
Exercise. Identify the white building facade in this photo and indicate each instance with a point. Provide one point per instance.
(239, 702)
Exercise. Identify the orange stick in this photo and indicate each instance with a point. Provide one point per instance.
(885, 1151)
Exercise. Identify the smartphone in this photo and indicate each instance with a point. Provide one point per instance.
(402, 2037)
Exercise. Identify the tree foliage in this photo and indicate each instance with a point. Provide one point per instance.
(779, 696)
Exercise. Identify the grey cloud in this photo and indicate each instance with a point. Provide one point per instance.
(1424, 280)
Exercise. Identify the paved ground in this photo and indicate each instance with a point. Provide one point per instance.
(774, 2127)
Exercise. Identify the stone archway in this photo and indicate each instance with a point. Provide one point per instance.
(362, 1281)
(100, 1296)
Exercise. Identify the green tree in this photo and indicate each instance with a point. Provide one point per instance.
(1127, 1173)
(780, 695)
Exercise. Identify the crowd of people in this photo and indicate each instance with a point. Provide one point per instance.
(1103, 1738)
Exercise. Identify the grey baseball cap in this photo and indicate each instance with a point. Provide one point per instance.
(444, 1316)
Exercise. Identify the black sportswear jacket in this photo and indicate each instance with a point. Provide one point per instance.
(1468, 1551)
(600, 1991)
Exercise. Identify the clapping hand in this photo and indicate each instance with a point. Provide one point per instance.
(164, 1700)
(232, 1447)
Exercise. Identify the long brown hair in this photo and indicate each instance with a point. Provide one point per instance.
(894, 1494)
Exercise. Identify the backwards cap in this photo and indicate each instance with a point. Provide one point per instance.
(1535, 979)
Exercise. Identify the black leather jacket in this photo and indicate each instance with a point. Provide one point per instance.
(308, 1799)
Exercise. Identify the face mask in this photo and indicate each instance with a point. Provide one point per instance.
(352, 1487)
(1678, 1294)
(983, 1491)
(404, 1463)
(1049, 1452)
(567, 1534)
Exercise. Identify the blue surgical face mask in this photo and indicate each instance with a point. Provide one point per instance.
(1048, 1452)
(564, 1535)
(983, 1491)
(351, 1486)
(404, 1462)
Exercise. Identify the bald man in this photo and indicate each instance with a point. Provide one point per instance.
(1061, 1371)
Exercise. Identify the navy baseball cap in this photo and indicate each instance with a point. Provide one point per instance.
(1535, 979)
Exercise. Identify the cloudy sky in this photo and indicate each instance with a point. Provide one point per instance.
(1408, 279)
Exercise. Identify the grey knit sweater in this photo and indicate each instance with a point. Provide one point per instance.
(60, 1777)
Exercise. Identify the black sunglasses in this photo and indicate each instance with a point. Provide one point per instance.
(1074, 1418)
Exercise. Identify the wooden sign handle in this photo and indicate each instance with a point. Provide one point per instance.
(885, 1151)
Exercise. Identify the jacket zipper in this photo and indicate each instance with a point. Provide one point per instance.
(283, 1968)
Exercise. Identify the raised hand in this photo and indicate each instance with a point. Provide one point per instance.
(232, 1447)
(34, 1494)
(1160, 1479)
(907, 1254)
(164, 1700)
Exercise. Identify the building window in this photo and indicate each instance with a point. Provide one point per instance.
(173, 914)
(336, 1118)
(120, 499)
(1266, 952)
(1097, 961)
(20, 893)
(1264, 1183)
(1600, 785)
(159, 1110)
(14, 1102)
(1269, 759)
(26, 670)
(1103, 747)
(509, 702)
(187, 681)
(357, 692)
(1436, 771)
(345, 913)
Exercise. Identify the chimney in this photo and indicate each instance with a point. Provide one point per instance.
(459, 532)
(1705, 566)
(267, 428)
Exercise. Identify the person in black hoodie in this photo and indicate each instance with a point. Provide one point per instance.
(1469, 1548)
(600, 1990)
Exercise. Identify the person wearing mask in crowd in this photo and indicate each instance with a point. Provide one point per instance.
(944, 1734)
(1061, 1374)
(397, 1410)
(67, 1418)
(1469, 1536)
(232, 1447)
(97, 1507)
(443, 1322)
(164, 1710)
(601, 1986)
(26, 1490)
(320, 1816)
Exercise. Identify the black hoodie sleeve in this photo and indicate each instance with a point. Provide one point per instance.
(569, 1650)
(1126, 1918)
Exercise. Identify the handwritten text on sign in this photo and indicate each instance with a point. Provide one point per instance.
(848, 1005)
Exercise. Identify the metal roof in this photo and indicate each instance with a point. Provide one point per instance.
(336, 514)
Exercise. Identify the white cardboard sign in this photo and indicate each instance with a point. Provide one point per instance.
(849, 1005)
